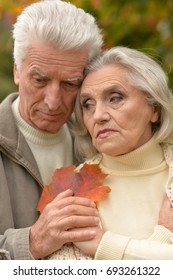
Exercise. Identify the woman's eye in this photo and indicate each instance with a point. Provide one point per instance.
(87, 104)
(116, 97)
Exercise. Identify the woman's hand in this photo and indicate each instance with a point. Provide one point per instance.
(89, 247)
(55, 225)
(166, 214)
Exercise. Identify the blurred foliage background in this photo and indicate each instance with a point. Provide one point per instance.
(146, 25)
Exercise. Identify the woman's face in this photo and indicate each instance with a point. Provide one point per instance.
(116, 114)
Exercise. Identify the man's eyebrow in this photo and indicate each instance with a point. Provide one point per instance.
(38, 71)
(74, 79)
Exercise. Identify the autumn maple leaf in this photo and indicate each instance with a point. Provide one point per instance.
(86, 182)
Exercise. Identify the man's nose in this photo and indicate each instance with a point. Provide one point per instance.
(53, 98)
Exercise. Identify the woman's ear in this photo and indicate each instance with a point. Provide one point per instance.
(156, 113)
(16, 74)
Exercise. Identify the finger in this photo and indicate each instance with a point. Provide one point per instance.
(77, 236)
(64, 194)
(77, 222)
(66, 200)
(78, 210)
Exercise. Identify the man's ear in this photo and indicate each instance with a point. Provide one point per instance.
(16, 74)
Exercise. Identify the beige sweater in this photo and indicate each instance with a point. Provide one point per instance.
(129, 214)
(50, 151)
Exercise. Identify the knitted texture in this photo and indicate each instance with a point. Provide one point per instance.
(68, 252)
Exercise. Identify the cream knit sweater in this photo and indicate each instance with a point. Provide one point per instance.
(129, 214)
(50, 151)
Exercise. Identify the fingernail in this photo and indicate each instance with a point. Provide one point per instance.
(93, 204)
(71, 191)
(92, 233)
(97, 220)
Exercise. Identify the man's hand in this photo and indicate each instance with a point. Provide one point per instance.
(166, 214)
(89, 247)
(53, 228)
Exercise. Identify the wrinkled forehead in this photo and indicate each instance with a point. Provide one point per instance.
(107, 74)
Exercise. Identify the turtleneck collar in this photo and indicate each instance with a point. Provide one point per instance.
(149, 155)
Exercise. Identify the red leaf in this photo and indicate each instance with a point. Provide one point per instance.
(87, 182)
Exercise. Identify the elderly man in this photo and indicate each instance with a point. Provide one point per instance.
(53, 40)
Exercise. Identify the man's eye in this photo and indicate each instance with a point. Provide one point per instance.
(71, 85)
(40, 80)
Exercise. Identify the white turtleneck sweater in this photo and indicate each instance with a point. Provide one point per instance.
(50, 151)
(129, 214)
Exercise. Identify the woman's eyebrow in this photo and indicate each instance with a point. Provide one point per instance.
(106, 90)
(85, 94)
(113, 87)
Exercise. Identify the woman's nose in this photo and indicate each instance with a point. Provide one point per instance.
(101, 113)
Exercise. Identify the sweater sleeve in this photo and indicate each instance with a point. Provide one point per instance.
(111, 247)
(14, 244)
(162, 234)
(117, 247)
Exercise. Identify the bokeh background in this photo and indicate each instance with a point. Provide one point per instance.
(146, 25)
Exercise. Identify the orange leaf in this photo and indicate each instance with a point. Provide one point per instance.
(87, 182)
(97, 194)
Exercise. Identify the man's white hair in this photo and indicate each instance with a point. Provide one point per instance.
(58, 24)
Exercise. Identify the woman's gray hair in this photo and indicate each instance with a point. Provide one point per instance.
(57, 24)
(146, 75)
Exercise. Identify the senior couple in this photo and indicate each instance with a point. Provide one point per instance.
(123, 122)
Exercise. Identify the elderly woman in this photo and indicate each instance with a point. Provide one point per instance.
(124, 123)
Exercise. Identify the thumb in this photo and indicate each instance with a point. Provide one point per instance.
(166, 202)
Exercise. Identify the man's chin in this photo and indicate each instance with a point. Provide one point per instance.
(49, 128)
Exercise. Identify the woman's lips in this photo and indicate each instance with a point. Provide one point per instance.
(105, 133)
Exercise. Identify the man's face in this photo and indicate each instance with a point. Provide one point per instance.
(48, 82)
